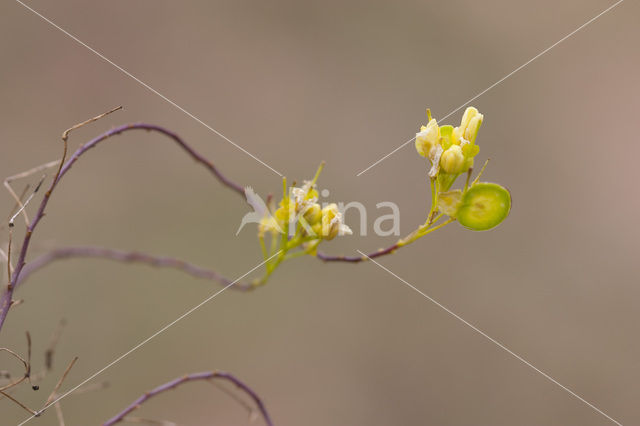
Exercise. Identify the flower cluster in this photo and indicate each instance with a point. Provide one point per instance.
(298, 224)
(300, 211)
(451, 151)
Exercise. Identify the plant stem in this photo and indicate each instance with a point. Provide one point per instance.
(127, 257)
(7, 295)
(208, 375)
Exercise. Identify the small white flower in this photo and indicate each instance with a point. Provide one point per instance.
(435, 161)
(301, 197)
(428, 138)
(332, 223)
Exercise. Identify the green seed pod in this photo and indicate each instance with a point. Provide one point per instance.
(484, 206)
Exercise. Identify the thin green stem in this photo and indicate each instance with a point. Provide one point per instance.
(466, 184)
(484, 166)
(317, 175)
(428, 230)
(436, 219)
(435, 191)
(263, 247)
(293, 255)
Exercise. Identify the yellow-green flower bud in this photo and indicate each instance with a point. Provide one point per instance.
(471, 130)
(469, 125)
(469, 113)
(427, 138)
(282, 213)
(456, 135)
(452, 160)
(313, 214)
(269, 224)
(332, 223)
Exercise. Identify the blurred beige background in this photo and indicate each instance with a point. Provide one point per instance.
(294, 83)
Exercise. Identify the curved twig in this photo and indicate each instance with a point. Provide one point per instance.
(6, 298)
(127, 257)
(27, 368)
(208, 375)
(154, 128)
(418, 233)
(355, 259)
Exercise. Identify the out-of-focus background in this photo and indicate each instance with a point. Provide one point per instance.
(295, 83)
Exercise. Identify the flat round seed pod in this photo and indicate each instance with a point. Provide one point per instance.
(484, 206)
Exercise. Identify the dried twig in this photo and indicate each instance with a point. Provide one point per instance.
(65, 134)
(49, 353)
(54, 392)
(19, 203)
(131, 419)
(26, 202)
(5, 299)
(26, 362)
(209, 375)
(26, 370)
(59, 414)
(9, 268)
(129, 257)
(33, 412)
(55, 338)
(356, 259)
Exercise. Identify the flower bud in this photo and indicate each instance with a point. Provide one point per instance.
(469, 113)
(452, 160)
(456, 136)
(469, 125)
(313, 214)
(427, 138)
(269, 224)
(332, 223)
(471, 130)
